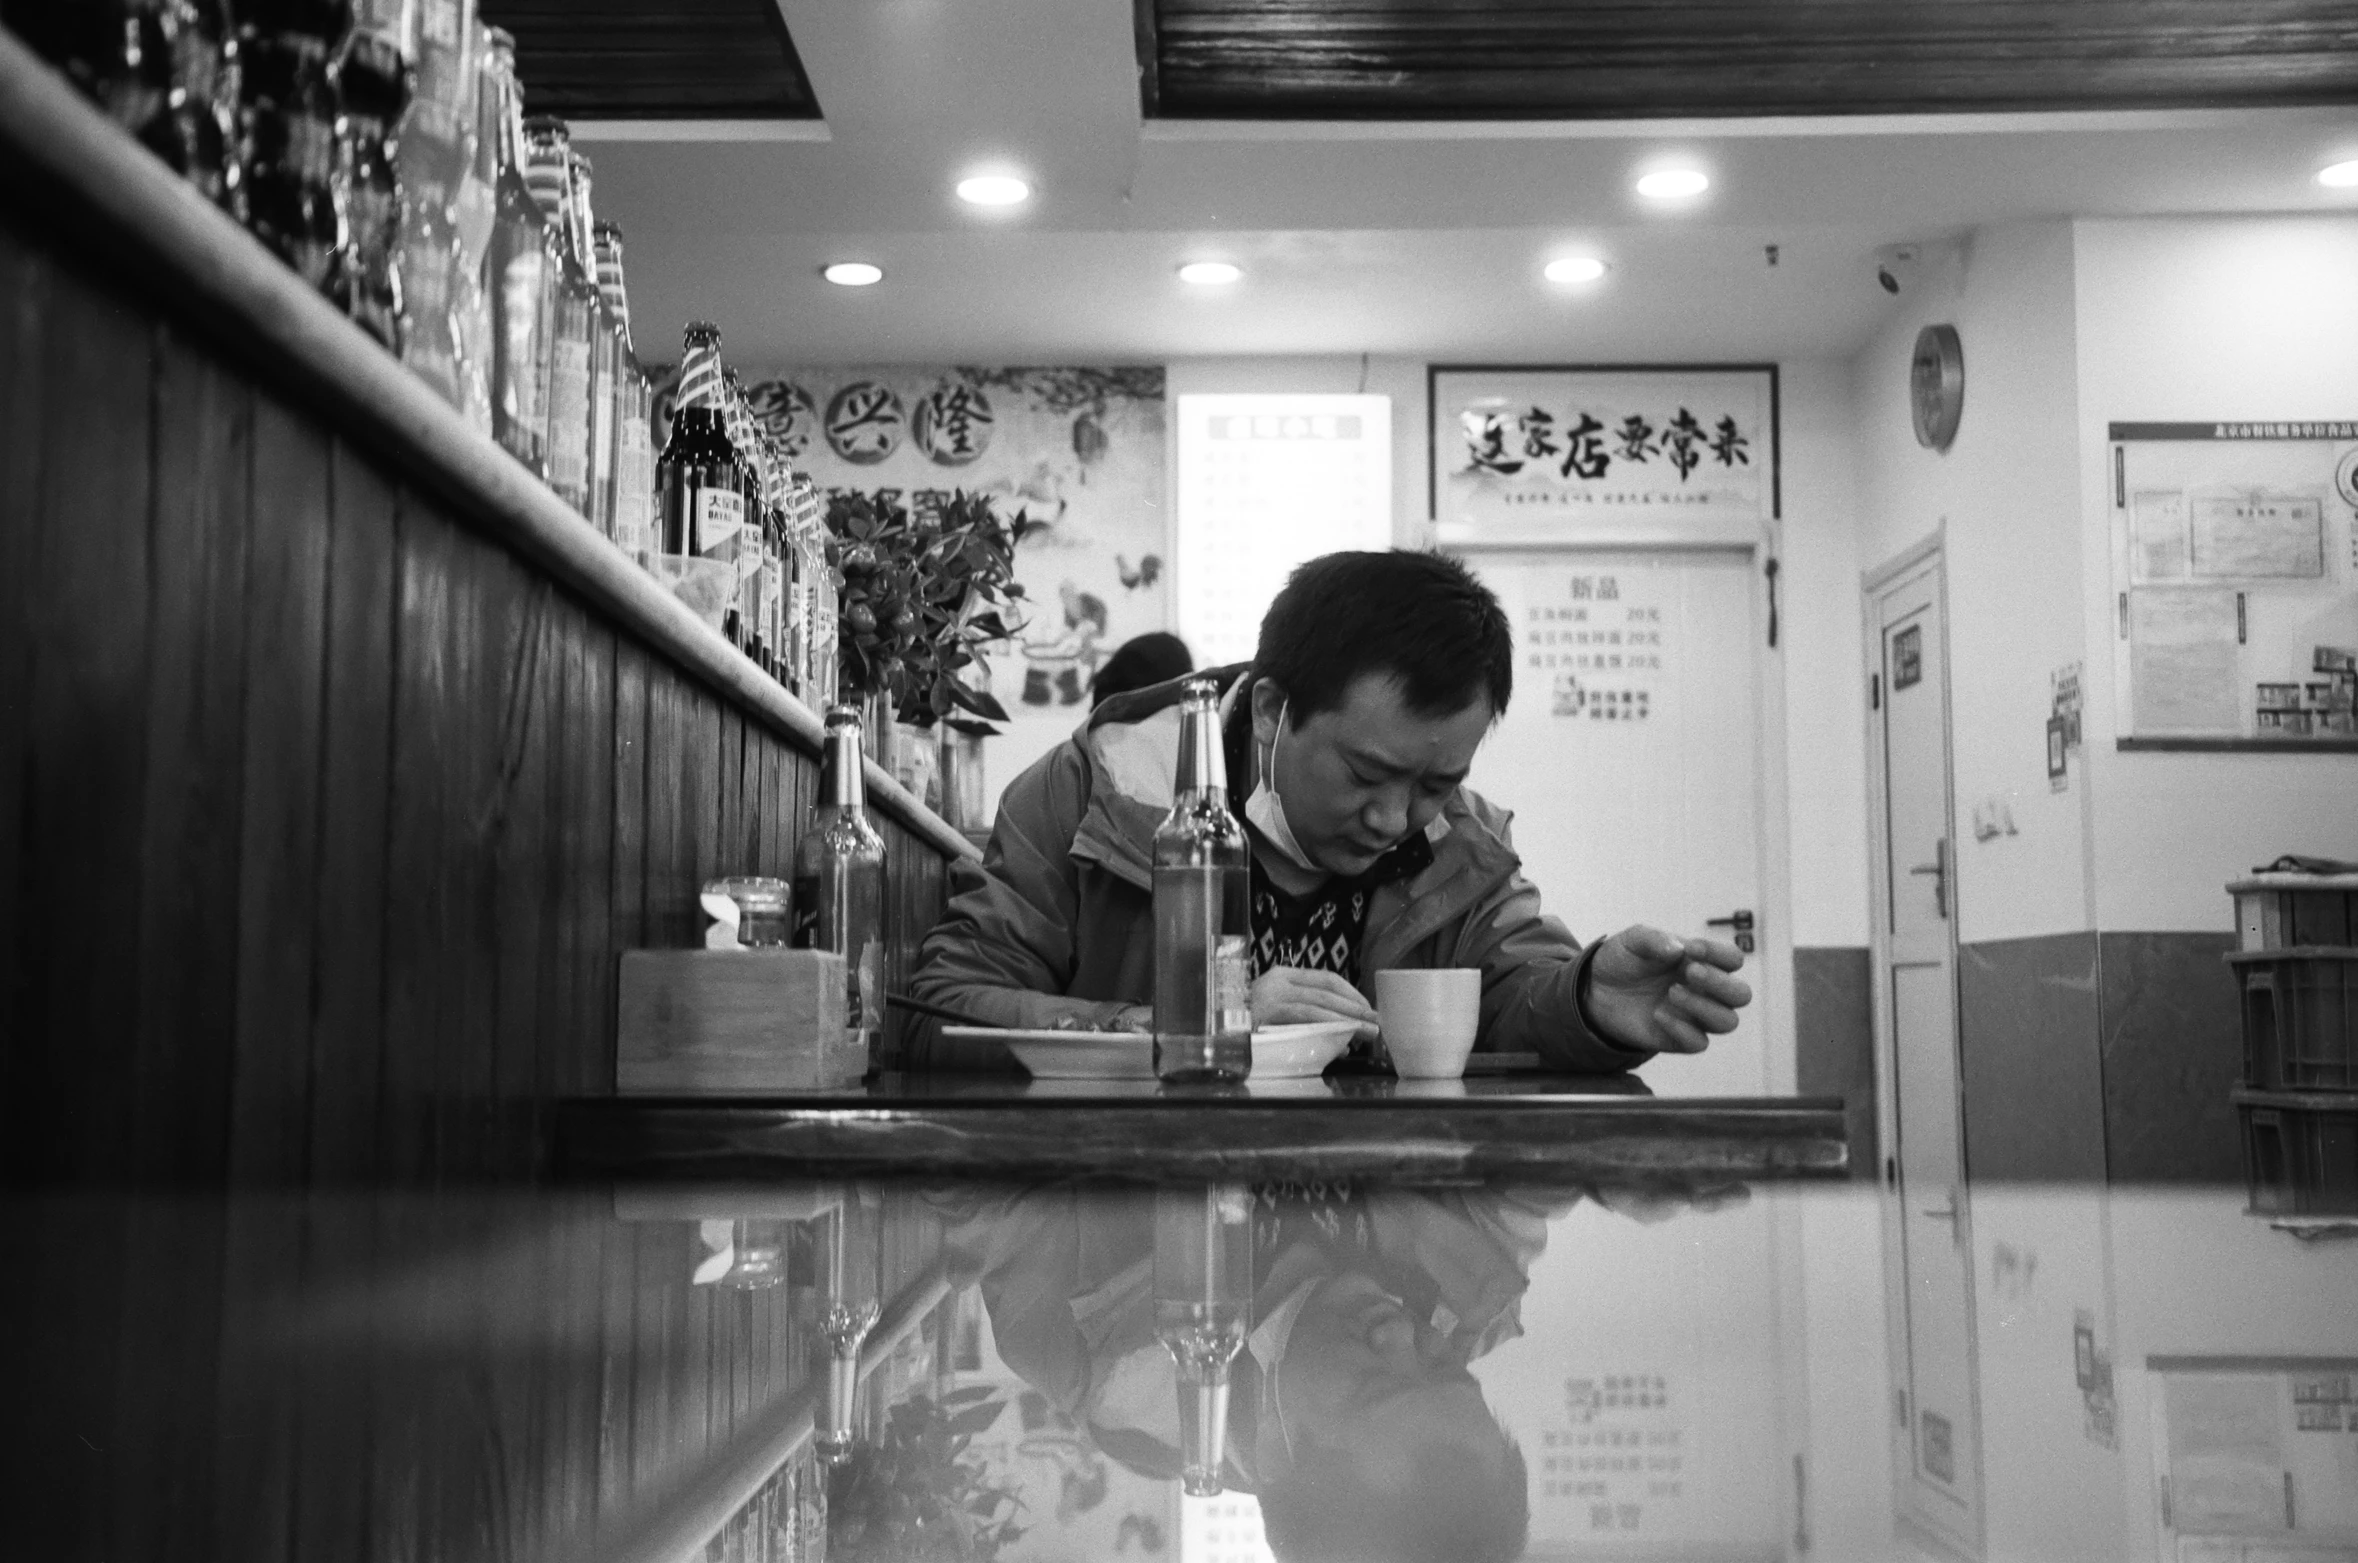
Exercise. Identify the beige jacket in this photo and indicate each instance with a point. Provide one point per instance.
(1057, 922)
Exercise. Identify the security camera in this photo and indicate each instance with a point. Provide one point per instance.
(1895, 266)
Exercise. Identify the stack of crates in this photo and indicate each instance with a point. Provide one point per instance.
(2297, 968)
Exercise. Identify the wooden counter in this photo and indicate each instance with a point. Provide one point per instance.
(338, 757)
(1531, 1127)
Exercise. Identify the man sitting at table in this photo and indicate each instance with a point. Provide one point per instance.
(1348, 739)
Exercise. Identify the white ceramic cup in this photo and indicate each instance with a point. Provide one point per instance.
(1429, 1019)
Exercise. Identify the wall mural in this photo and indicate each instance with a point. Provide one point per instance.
(1079, 449)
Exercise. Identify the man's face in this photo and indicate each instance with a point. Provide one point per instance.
(1363, 1378)
(1359, 779)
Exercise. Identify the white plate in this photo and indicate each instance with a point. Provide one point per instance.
(1279, 1052)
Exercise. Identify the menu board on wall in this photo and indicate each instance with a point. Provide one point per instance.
(1266, 482)
(2235, 584)
(1533, 455)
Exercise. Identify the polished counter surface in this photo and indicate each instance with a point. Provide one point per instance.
(893, 1371)
(1523, 1123)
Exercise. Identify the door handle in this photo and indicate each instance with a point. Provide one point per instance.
(1741, 922)
(1938, 868)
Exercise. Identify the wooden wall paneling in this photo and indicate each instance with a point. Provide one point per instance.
(25, 282)
(356, 756)
(693, 1369)
(618, 1326)
(286, 654)
(671, 770)
(586, 784)
(645, 1354)
(163, 1346)
(759, 743)
(559, 1018)
(400, 1391)
(334, 1407)
(576, 1285)
(188, 930)
(418, 909)
(519, 851)
(486, 600)
(632, 819)
(338, 1230)
(666, 1395)
(255, 1438)
(729, 791)
(84, 711)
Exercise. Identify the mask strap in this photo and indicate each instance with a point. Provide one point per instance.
(1284, 707)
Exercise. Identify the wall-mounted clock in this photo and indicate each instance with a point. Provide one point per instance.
(1936, 386)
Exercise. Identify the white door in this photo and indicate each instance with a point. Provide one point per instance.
(1936, 1424)
(1629, 755)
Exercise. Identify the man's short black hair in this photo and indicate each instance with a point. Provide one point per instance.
(1421, 617)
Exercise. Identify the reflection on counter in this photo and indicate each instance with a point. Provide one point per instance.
(1193, 1372)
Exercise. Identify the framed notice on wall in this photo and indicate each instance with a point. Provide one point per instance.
(1529, 455)
(2235, 584)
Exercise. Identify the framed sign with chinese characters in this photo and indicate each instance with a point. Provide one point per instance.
(1529, 454)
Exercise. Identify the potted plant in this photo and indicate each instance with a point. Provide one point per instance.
(924, 597)
(913, 1496)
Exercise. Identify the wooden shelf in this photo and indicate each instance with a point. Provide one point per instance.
(86, 174)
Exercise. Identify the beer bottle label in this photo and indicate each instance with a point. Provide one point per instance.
(720, 516)
(569, 415)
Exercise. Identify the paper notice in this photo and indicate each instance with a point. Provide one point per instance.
(2242, 537)
(2182, 663)
(2226, 1451)
(2157, 535)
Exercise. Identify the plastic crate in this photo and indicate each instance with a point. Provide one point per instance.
(2300, 1152)
(2300, 1018)
(2280, 911)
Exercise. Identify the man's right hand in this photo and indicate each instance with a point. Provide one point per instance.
(1290, 995)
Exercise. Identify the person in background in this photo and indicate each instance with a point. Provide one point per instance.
(1144, 661)
(1349, 736)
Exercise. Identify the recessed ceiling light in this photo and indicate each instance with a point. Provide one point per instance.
(1575, 268)
(1209, 274)
(853, 274)
(1673, 184)
(994, 190)
(2340, 176)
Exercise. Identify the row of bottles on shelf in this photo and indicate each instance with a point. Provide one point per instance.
(381, 149)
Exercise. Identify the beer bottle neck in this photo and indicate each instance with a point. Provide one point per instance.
(1203, 767)
(843, 784)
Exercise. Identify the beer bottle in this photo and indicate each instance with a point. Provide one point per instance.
(549, 167)
(1203, 975)
(634, 465)
(1203, 1300)
(839, 883)
(605, 381)
(522, 272)
(700, 478)
(373, 84)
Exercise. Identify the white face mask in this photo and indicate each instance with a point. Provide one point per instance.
(1267, 810)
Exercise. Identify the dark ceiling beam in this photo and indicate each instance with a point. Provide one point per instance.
(1507, 59)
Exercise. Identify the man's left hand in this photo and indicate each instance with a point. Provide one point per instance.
(1647, 989)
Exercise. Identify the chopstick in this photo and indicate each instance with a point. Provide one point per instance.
(920, 1007)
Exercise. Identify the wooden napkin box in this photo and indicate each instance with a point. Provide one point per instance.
(733, 1023)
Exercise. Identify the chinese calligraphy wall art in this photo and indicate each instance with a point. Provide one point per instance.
(1529, 453)
(2235, 584)
(1081, 449)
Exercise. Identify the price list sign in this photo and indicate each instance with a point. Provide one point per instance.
(1266, 482)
